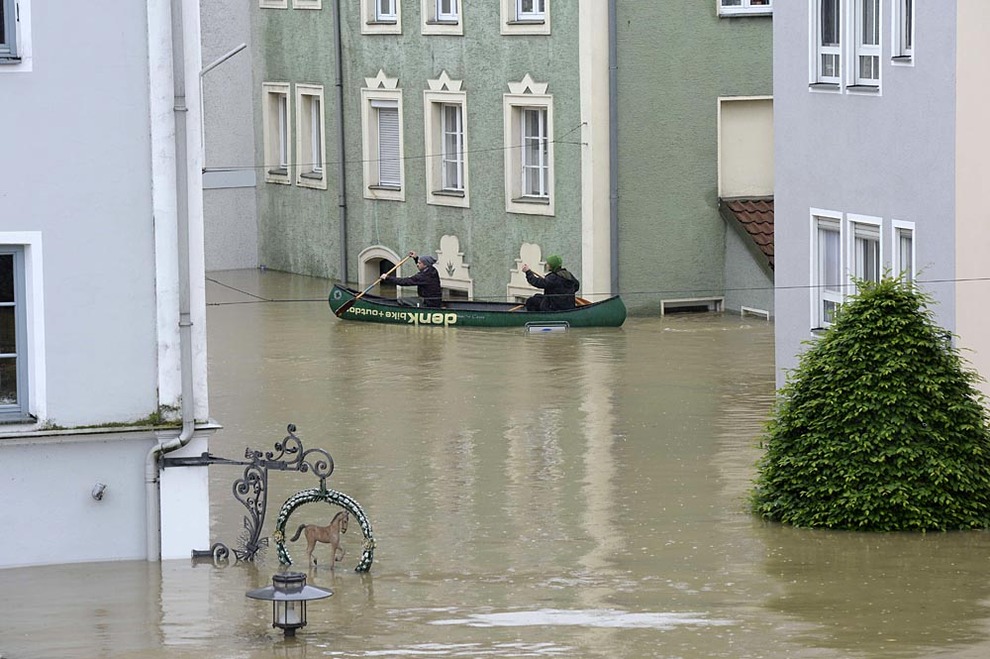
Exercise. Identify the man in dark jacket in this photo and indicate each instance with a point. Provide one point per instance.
(426, 281)
(559, 287)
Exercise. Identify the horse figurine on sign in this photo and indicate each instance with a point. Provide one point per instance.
(329, 534)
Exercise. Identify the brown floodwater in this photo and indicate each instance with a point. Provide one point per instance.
(570, 494)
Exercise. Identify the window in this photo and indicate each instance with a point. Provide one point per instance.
(745, 7)
(310, 144)
(445, 130)
(13, 370)
(904, 250)
(827, 39)
(528, 126)
(307, 4)
(903, 50)
(525, 16)
(273, 4)
(867, 60)
(15, 36)
(381, 17)
(442, 17)
(865, 259)
(827, 274)
(277, 131)
(381, 129)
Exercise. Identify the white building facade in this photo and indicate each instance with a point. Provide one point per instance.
(102, 294)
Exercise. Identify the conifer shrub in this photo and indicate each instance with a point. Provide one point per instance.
(880, 427)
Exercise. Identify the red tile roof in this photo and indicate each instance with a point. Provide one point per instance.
(755, 217)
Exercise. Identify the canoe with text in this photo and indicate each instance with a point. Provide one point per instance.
(465, 313)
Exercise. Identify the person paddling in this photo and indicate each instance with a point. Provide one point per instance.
(426, 281)
(559, 287)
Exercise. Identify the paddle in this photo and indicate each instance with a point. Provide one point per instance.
(350, 303)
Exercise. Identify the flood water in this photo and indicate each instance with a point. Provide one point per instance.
(572, 494)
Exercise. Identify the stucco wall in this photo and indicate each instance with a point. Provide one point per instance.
(675, 60)
(299, 230)
(890, 155)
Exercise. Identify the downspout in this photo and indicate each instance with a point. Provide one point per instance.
(180, 110)
(341, 161)
(613, 145)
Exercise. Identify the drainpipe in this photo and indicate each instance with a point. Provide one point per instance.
(613, 145)
(152, 468)
(341, 161)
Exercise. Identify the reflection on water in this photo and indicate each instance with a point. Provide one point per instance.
(578, 494)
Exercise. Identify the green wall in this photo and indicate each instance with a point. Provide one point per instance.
(675, 59)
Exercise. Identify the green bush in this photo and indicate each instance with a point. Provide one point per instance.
(880, 427)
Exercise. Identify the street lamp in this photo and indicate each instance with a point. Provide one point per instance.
(288, 595)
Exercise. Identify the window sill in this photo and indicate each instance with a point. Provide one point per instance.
(527, 21)
(543, 201)
(9, 60)
(381, 22)
(449, 193)
(442, 22)
(902, 58)
(278, 171)
(731, 12)
(825, 86)
(391, 188)
(869, 89)
(311, 176)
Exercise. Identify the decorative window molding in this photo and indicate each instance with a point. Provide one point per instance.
(827, 280)
(369, 264)
(454, 272)
(525, 17)
(273, 4)
(15, 36)
(307, 4)
(442, 17)
(22, 305)
(311, 150)
(745, 7)
(529, 150)
(382, 139)
(902, 36)
(445, 130)
(518, 289)
(865, 253)
(277, 132)
(381, 16)
(902, 248)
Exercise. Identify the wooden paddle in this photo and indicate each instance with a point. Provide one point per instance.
(350, 303)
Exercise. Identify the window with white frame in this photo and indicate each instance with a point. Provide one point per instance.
(13, 335)
(864, 258)
(273, 4)
(15, 36)
(867, 55)
(529, 170)
(827, 25)
(381, 129)
(445, 130)
(442, 17)
(827, 268)
(903, 17)
(903, 250)
(745, 7)
(381, 16)
(8, 30)
(310, 140)
(525, 16)
(277, 131)
(307, 4)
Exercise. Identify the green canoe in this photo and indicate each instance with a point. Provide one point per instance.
(464, 313)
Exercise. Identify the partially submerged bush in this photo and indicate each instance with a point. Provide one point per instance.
(880, 427)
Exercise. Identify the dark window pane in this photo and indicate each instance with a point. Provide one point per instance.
(6, 277)
(8, 338)
(8, 381)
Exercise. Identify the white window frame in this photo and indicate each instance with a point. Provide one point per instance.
(307, 4)
(273, 4)
(745, 7)
(822, 293)
(380, 92)
(373, 21)
(819, 50)
(32, 401)
(899, 229)
(865, 228)
(436, 22)
(526, 95)
(444, 92)
(861, 77)
(902, 32)
(16, 56)
(311, 143)
(516, 22)
(277, 132)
